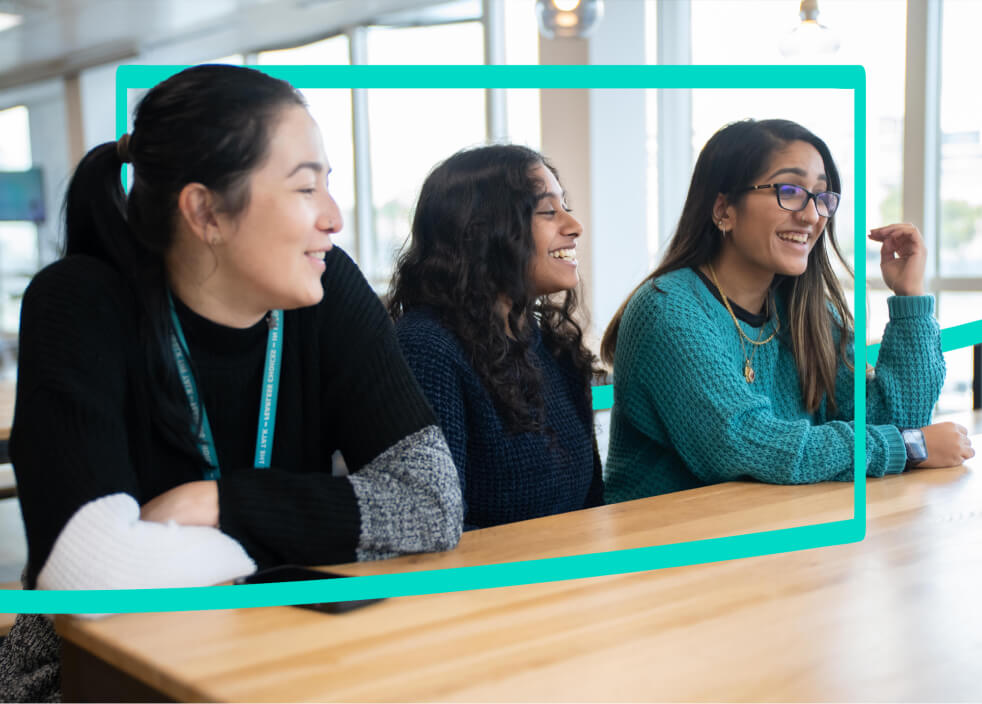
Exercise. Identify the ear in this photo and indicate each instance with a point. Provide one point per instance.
(722, 212)
(197, 205)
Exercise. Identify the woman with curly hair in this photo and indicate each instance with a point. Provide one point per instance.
(484, 297)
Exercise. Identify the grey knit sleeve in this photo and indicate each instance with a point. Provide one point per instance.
(409, 498)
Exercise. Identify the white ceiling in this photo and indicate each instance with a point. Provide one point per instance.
(58, 37)
(53, 29)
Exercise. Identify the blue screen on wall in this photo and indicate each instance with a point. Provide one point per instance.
(21, 195)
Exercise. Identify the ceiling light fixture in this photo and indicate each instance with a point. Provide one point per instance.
(568, 18)
(8, 20)
(809, 39)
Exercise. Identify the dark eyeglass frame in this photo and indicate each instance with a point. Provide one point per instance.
(810, 197)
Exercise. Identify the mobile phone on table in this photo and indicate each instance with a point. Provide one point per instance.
(295, 573)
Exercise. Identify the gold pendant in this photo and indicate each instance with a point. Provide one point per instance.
(748, 373)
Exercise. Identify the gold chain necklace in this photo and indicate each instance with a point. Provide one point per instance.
(748, 369)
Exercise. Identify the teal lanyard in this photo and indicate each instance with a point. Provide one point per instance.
(267, 402)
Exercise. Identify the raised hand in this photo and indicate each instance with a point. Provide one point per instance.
(903, 256)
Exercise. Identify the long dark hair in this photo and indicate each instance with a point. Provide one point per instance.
(471, 246)
(731, 160)
(208, 124)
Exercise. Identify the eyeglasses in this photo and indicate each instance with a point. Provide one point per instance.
(795, 198)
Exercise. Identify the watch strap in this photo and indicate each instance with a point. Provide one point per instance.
(915, 446)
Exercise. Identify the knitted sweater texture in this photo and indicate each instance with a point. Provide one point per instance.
(506, 476)
(684, 416)
(82, 439)
(81, 430)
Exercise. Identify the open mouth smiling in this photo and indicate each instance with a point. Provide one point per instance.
(567, 254)
(795, 237)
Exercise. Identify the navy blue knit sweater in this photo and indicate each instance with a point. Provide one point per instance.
(505, 476)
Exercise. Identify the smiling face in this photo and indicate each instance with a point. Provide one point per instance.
(271, 255)
(763, 239)
(553, 267)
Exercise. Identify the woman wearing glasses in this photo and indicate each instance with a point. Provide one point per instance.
(733, 359)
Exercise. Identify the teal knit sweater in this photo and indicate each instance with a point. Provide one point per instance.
(684, 416)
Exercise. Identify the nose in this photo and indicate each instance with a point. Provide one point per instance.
(571, 226)
(329, 219)
(809, 214)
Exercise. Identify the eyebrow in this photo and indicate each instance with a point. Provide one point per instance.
(312, 165)
(797, 172)
(550, 194)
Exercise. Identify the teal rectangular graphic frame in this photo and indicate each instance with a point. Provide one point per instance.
(553, 569)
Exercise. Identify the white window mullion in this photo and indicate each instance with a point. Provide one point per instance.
(364, 225)
(922, 134)
(495, 99)
(674, 46)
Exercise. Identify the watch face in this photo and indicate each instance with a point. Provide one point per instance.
(914, 442)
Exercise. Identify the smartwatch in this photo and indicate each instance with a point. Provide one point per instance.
(916, 449)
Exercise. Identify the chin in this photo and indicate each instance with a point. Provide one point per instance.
(792, 268)
(309, 298)
(553, 288)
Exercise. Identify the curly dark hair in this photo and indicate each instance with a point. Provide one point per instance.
(471, 247)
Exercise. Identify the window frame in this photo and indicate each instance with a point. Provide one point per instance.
(492, 20)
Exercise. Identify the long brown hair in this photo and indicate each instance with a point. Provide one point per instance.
(731, 160)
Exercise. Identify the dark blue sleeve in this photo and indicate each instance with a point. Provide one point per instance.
(595, 497)
(435, 358)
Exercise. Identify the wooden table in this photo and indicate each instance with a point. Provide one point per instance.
(893, 618)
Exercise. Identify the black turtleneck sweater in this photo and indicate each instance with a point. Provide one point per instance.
(82, 428)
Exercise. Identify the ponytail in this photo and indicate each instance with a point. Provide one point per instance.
(95, 209)
(208, 124)
(96, 225)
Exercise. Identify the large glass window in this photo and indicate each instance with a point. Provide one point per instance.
(959, 274)
(412, 130)
(961, 142)
(651, 145)
(522, 48)
(18, 240)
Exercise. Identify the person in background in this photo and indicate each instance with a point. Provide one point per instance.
(733, 358)
(190, 366)
(484, 298)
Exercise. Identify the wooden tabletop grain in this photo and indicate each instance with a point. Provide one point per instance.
(892, 618)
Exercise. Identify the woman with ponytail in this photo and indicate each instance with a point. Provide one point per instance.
(208, 298)
(733, 359)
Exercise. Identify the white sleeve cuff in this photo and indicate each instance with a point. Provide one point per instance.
(105, 545)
